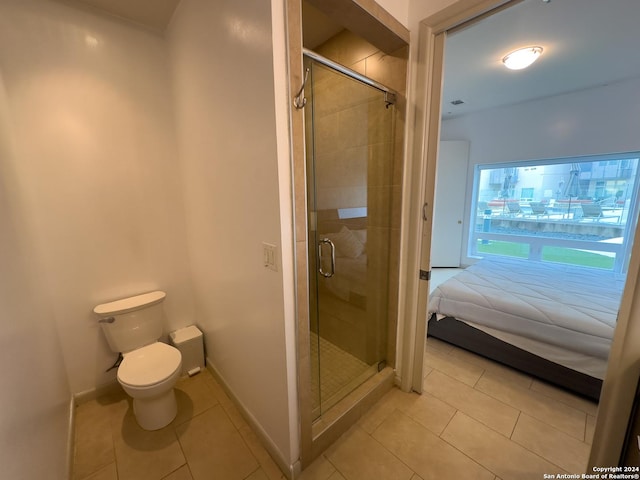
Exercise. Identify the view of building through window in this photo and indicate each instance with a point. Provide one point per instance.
(576, 211)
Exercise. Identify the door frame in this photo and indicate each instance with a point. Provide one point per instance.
(423, 136)
(423, 127)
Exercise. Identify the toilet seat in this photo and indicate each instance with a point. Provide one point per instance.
(149, 365)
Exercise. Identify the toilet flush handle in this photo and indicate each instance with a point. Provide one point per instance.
(107, 320)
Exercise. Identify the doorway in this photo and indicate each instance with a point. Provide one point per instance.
(430, 62)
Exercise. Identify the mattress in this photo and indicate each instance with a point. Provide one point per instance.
(568, 307)
(580, 362)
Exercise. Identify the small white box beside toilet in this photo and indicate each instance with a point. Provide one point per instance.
(189, 341)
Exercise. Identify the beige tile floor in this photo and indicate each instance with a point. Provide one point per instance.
(207, 440)
(476, 419)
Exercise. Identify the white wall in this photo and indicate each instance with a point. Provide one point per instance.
(222, 65)
(421, 9)
(90, 112)
(595, 121)
(35, 399)
(398, 8)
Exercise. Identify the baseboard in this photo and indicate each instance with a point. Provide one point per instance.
(71, 437)
(94, 393)
(291, 471)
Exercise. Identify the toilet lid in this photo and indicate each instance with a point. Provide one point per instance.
(149, 365)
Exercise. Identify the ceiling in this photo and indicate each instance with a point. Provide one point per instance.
(587, 43)
(152, 13)
(317, 27)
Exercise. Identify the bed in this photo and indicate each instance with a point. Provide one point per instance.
(552, 321)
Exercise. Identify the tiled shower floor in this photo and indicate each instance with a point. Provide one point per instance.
(339, 373)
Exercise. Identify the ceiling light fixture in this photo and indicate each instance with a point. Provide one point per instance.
(521, 58)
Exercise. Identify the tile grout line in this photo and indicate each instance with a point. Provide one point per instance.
(335, 468)
(447, 425)
(113, 420)
(113, 447)
(563, 391)
(461, 452)
(254, 471)
(534, 396)
(514, 426)
(520, 412)
(521, 446)
(479, 391)
(438, 436)
(484, 370)
(524, 388)
(518, 409)
(390, 452)
(184, 455)
(541, 457)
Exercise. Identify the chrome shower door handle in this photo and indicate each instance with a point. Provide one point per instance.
(332, 247)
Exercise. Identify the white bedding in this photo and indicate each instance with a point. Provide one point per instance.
(570, 308)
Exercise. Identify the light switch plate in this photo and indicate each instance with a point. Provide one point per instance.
(270, 256)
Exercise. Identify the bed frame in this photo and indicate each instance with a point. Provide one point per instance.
(460, 334)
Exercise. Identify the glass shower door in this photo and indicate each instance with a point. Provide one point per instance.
(349, 149)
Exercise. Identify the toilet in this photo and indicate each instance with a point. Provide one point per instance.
(149, 368)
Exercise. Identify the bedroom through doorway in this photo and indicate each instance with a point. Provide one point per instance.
(544, 180)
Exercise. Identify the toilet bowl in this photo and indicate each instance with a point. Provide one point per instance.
(149, 368)
(148, 375)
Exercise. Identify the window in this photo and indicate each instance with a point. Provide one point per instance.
(579, 211)
(526, 194)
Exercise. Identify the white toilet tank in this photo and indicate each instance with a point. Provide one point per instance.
(132, 322)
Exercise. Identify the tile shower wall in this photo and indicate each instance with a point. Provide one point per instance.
(380, 188)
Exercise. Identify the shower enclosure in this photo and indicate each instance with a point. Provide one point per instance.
(349, 122)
